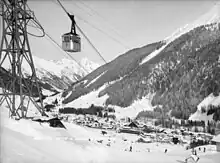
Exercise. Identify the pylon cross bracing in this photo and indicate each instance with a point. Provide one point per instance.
(18, 90)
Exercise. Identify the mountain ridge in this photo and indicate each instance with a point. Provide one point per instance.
(59, 74)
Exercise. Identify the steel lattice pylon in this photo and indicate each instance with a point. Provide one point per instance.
(17, 91)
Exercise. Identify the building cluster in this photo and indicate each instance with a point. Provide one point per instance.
(147, 132)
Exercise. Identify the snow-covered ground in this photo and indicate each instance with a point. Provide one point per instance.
(26, 141)
(87, 100)
(135, 108)
(209, 100)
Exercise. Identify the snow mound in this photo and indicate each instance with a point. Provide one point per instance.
(199, 116)
(136, 107)
(209, 100)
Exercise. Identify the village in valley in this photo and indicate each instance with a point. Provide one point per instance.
(97, 130)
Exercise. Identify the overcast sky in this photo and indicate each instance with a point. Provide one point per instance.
(125, 24)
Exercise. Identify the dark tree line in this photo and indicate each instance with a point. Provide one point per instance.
(92, 110)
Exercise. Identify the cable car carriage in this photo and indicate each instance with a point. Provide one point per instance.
(71, 42)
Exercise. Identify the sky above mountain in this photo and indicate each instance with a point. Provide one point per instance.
(124, 24)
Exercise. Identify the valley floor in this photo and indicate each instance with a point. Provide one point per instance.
(26, 141)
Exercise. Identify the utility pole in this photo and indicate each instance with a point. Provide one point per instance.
(17, 91)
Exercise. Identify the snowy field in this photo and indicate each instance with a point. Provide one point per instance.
(26, 141)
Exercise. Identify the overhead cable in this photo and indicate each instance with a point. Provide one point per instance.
(46, 34)
(103, 18)
(86, 37)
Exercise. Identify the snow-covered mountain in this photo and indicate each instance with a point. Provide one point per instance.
(82, 68)
(177, 73)
(88, 65)
(59, 74)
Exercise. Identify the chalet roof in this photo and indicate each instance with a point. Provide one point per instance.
(216, 138)
(133, 124)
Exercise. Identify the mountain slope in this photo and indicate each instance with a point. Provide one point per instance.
(197, 75)
(176, 73)
(113, 72)
(6, 79)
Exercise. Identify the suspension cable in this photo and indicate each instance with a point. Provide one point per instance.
(83, 34)
(36, 23)
(46, 34)
(36, 26)
(65, 51)
(91, 43)
(100, 30)
(78, 6)
(62, 7)
(103, 19)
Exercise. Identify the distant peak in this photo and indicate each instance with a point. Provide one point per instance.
(88, 64)
(65, 61)
(210, 17)
(85, 60)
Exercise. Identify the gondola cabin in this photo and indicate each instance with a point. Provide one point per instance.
(71, 42)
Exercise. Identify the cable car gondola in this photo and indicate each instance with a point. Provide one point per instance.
(71, 42)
